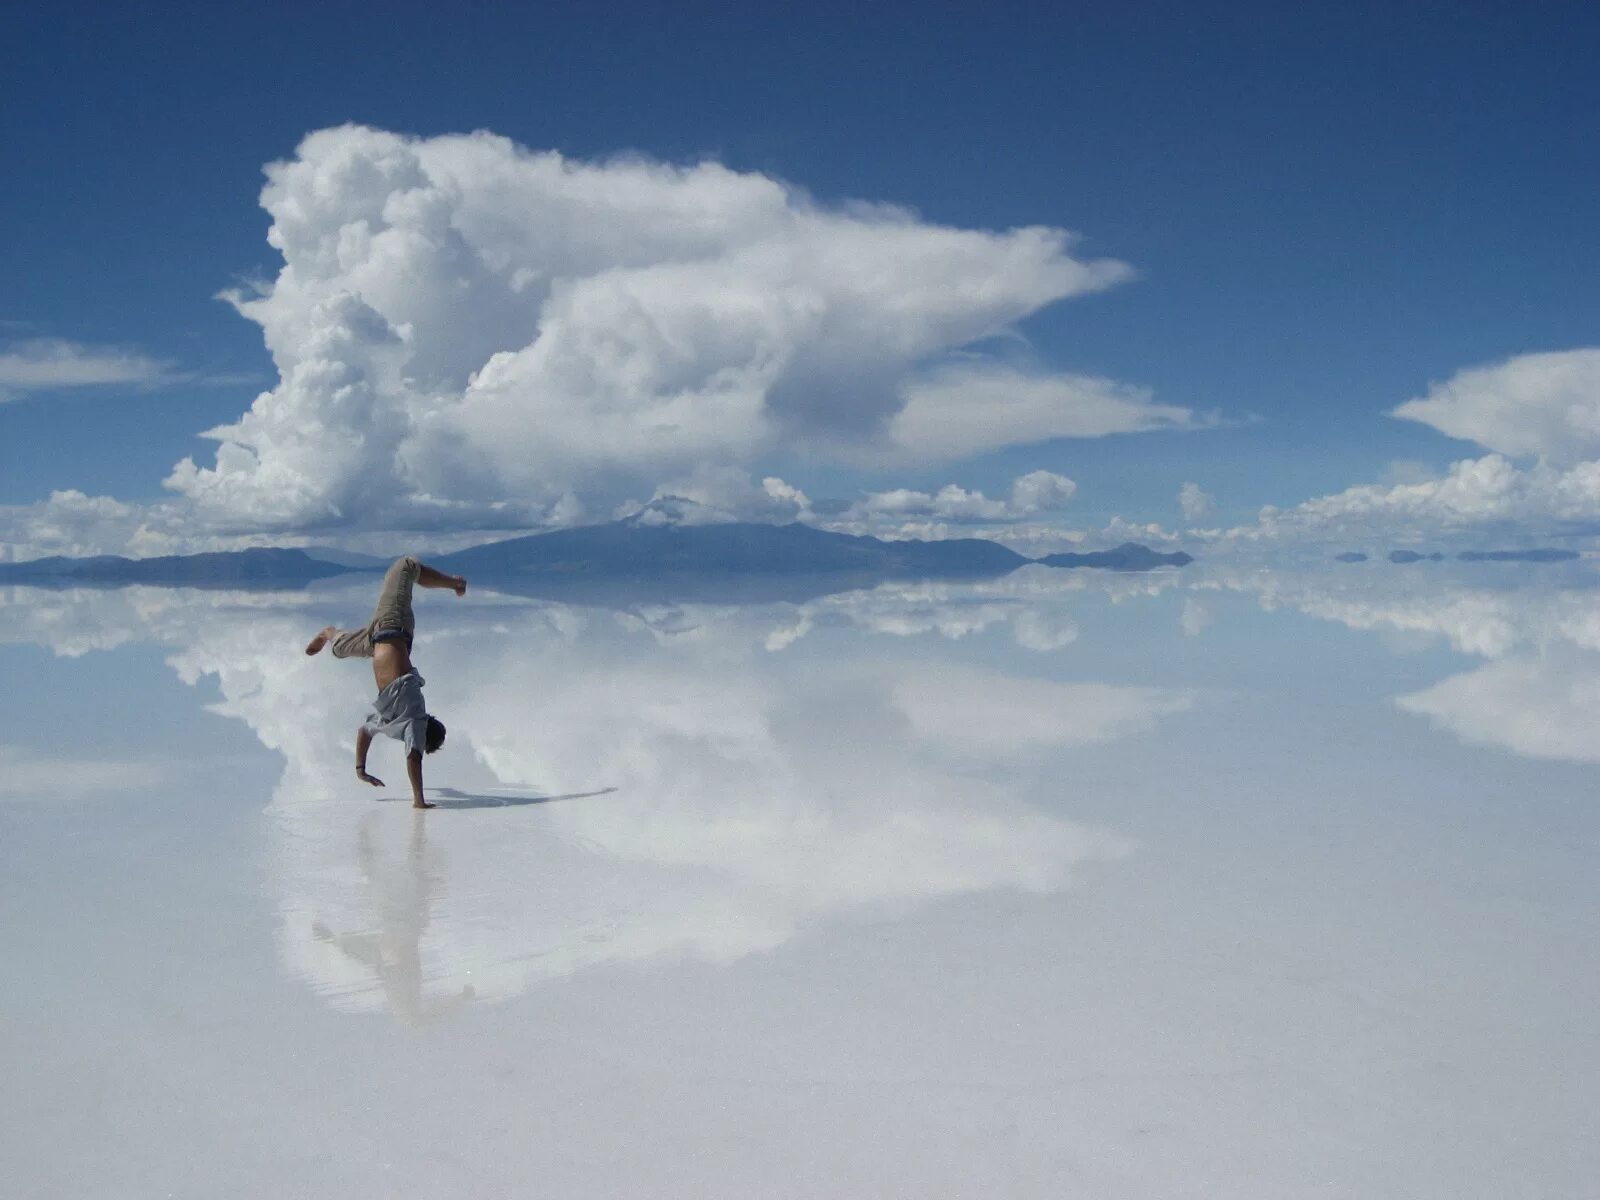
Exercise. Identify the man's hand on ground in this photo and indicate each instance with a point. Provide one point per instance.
(365, 778)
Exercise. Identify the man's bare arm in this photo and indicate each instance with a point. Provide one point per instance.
(429, 578)
(414, 770)
(363, 744)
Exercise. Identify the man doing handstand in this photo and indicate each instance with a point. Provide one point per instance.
(386, 640)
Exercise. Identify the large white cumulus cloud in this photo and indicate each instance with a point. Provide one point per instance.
(470, 332)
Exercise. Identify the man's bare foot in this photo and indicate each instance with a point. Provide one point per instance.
(422, 804)
(315, 645)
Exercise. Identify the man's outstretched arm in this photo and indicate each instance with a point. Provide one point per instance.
(414, 770)
(363, 744)
(429, 578)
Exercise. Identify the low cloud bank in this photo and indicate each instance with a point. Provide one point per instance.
(1537, 414)
(1027, 518)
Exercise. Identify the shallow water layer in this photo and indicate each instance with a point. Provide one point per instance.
(1182, 884)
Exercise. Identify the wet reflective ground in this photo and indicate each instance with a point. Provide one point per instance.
(1193, 883)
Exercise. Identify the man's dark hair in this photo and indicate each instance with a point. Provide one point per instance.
(435, 735)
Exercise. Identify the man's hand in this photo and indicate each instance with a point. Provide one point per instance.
(363, 742)
(459, 585)
(414, 770)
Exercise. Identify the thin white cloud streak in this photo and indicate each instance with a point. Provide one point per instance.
(973, 408)
(54, 364)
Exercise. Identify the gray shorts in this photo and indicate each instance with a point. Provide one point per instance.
(392, 620)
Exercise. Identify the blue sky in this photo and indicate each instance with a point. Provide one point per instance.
(1328, 208)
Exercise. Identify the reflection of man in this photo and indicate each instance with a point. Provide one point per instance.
(394, 950)
(398, 711)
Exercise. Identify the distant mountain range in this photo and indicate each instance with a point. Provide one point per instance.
(1533, 556)
(1517, 555)
(697, 555)
(1130, 556)
(632, 548)
(256, 566)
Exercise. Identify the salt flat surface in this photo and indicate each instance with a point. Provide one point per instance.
(1189, 884)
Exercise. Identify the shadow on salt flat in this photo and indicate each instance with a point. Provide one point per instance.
(454, 798)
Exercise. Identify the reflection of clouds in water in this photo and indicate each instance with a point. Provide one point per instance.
(757, 794)
(988, 716)
(1544, 706)
(72, 622)
(1196, 616)
(1489, 619)
(1539, 696)
(25, 774)
(1034, 601)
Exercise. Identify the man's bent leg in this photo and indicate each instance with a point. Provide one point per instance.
(352, 643)
(394, 601)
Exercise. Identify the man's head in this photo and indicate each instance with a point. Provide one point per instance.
(435, 735)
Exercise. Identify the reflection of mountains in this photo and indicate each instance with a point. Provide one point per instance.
(765, 780)
(1035, 602)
